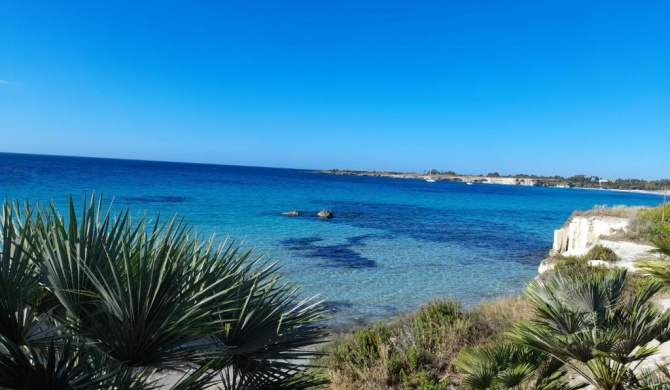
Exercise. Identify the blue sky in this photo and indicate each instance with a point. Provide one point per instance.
(544, 87)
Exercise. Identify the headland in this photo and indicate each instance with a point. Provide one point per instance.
(655, 187)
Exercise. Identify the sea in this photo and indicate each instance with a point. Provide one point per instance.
(393, 244)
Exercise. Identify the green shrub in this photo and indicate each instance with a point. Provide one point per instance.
(604, 352)
(439, 311)
(362, 349)
(417, 350)
(655, 214)
(648, 224)
(434, 321)
(417, 357)
(570, 265)
(600, 252)
(394, 368)
(423, 380)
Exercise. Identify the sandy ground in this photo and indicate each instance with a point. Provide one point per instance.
(629, 253)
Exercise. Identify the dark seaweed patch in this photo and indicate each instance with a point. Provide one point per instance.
(340, 256)
(336, 255)
(302, 243)
(462, 227)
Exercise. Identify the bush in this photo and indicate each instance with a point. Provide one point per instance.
(606, 346)
(417, 351)
(647, 224)
(362, 349)
(423, 380)
(600, 252)
(490, 320)
(655, 214)
(570, 265)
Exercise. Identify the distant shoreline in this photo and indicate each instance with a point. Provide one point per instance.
(647, 192)
(519, 180)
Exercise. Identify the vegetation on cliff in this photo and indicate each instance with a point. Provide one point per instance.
(418, 350)
(645, 224)
(661, 270)
(595, 327)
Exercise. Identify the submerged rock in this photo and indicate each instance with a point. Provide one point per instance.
(293, 213)
(325, 214)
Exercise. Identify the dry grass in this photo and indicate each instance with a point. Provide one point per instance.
(500, 316)
(614, 211)
(644, 222)
(417, 350)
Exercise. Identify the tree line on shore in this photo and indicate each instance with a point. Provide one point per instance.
(576, 181)
(579, 181)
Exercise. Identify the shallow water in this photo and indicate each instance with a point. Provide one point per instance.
(392, 245)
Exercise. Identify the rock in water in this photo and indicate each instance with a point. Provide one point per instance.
(325, 214)
(293, 213)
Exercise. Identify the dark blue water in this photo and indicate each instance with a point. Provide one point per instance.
(392, 245)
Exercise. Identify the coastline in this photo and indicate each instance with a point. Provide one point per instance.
(528, 181)
(647, 192)
(468, 242)
(631, 191)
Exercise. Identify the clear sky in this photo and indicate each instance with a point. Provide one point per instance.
(545, 87)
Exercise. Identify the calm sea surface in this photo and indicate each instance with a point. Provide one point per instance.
(393, 244)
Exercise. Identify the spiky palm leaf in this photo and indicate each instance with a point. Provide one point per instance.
(588, 322)
(661, 269)
(130, 289)
(63, 364)
(271, 335)
(511, 366)
(656, 379)
(20, 322)
(662, 241)
(148, 295)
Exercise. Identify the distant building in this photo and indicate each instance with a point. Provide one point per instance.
(601, 181)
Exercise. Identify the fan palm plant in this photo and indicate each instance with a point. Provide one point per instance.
(660, 270)
(35, 349)
(118, 299)
(506, 365)
(591, 324)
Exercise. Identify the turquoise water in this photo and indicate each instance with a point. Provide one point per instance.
(393, 244)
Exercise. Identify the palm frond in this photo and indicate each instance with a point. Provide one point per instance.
(148, 295)
(589, 323)
(58, 366)
(272, 332)
(511, 366)
(20, 292)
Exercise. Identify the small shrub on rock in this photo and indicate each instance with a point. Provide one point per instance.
(600, 252)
